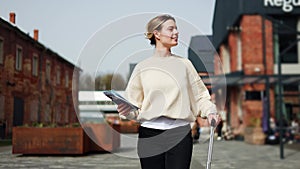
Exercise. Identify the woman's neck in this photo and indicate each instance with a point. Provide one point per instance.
(162, 52)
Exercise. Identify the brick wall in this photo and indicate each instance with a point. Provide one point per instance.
(44, 101)
(251, 37)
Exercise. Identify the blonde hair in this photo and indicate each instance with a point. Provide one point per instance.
(155, 24)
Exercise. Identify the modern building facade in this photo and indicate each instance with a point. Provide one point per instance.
(35, 82)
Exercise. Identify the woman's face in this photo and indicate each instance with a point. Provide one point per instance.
(168, 35)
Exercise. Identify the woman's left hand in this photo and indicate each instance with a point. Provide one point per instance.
(123, 109)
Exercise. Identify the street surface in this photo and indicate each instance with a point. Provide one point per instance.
(226, 155)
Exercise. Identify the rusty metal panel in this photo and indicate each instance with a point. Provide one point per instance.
(30, 140)
(103, 137)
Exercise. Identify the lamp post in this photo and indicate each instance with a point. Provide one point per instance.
(279, 85)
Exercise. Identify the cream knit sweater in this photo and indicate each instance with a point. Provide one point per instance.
(168, 86)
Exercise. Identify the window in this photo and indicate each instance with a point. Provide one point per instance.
(2, 106)
(226, 59)
(67, 79)
(253, 95)
(66, 114)
(1, 51)
(48, 71)
(47, 116)
(287, 37)
(239, 51)
(19, 58)
(34, 110)
(35, 63)
(58, 75)
(291, 88)
(58, 112)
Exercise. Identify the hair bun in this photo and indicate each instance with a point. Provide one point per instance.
(148, 35)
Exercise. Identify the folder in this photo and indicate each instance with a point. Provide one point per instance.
(118, 99)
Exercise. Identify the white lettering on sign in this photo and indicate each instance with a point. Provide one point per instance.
(286, 5)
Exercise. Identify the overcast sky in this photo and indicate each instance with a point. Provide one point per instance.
(104, 35)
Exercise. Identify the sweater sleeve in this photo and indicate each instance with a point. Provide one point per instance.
(200, 99)
(134, 92)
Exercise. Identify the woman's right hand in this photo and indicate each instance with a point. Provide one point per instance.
(214, 116)
(123, 109)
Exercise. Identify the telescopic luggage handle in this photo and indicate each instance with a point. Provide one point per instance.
(210, 145)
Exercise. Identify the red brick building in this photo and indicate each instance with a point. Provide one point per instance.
(255, 73)
(258, 44)
(35, 82)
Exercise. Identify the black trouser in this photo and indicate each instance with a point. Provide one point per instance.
(165, 149)
(219, 129)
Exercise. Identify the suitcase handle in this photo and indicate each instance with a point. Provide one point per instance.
(211, 142)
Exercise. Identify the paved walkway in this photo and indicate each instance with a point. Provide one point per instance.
(227, 155)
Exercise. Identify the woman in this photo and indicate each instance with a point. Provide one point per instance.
(170, 95)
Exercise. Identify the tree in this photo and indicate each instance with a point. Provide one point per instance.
(86, 82)
(110, 81)
(118, 82)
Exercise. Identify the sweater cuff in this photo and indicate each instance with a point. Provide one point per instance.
(211, 110)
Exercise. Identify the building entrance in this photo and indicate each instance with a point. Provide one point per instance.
(18, 111)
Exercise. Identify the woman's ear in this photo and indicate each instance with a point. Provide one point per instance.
(156, 34)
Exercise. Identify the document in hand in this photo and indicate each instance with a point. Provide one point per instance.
(118, 99)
